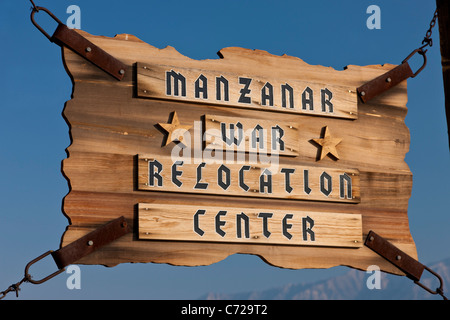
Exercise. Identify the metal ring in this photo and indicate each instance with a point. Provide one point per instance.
(37, 9)
(423, 54)
(440, 290)
(28, 276)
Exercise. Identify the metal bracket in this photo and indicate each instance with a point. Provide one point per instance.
(90, 242)
(63, 36)
(391, 78)
(384, 82)
(411, 267)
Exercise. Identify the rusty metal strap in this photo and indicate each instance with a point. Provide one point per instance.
(63, 36)
(410, 266)
(384, 82)
(89, 243)
(400, 73)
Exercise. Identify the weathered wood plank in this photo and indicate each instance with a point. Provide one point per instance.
(248, 179)
(259, 226)
(250, 135)
(244, 90)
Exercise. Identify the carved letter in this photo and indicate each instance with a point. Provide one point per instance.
(265, 216)
(239, 218)
(284, 88)
(219, 90)
(244, 91)
(152, 174)
(176, 173)
(267, 94)
(178, 79)
(220, 223)
(197, 229)
(326, 101)
(308, 224)
(308, 100)
(287, 226)
(203, 88)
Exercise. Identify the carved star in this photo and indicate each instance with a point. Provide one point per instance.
(175, 130)
(328, 144)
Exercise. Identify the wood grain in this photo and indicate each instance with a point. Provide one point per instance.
(248, 179)
(110, 125)
(259, 226)
(250, 135)
(156, 80)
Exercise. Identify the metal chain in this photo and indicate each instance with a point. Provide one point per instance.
(13, 287)
(427, 40)
(34, 8)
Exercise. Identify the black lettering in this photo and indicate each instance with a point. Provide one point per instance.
(220, 223)
(277, 134)
(343, 178)
(308, 224)
(200, 185)
(197, 229)
(265, 216)
(203, 89)
(244, 91)
(287, 226)
(220, 182)
(152, 174)
(178, 79)
(224, 83)
(176, 173)
(306, 187)
(288, 88)
(265, 184)
(287, 180)
(308, 100)
(327, 95)
(258, 137)
(325, 187)
(241, 178)
(232, 138)
(267, 94)
(239, 218)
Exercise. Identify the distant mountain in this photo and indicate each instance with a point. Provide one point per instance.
(352, 286)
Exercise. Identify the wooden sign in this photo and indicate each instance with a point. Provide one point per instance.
(244, 179)
(249, 225)
(249, 153)
(250, 135)
(199, 85)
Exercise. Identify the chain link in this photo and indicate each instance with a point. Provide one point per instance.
(34, 8)
(427, 40)
(14, 287)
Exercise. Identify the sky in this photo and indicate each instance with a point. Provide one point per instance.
(34, 135)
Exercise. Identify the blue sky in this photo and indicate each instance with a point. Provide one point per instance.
(34, 135)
